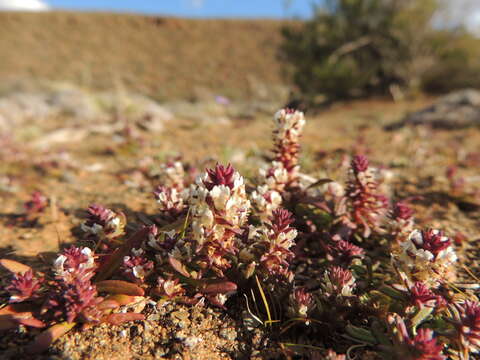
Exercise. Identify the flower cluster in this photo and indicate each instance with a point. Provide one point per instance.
(402, 221)
(172, 175)
(24, 287)
(65, 297)
(337, 283)
(301, 302)
(169, 288)
(427, 256)
(219, 208)
(161, 241)
(282, 175)
(423, 346)
(367, 207)
(418, 295)
(343, 252)
(73, 296)
(171, 202)
(265, 200)
(103, 221)
(275, 240)
(171, 193)
(289, 124)
(466, 318)
(136, 266)
(421, 296)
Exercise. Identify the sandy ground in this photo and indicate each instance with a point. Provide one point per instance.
(119, 172)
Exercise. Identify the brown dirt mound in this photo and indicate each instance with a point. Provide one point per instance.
(163, 57)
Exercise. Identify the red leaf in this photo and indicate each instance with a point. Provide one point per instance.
(108, 305)
(219, 288)
(48, 337)
(11, 321)
(32, 322)
(178, 266)
(120, 287)
(123, 299)
(120, 318)
(14, 266)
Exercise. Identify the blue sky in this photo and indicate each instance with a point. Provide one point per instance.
(195, 8)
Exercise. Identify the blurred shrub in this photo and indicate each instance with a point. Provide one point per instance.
(457, 65)
(353, 48)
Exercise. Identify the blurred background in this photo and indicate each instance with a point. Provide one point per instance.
(270, 49)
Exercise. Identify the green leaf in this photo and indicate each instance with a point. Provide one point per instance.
(420, 317)
(361, 334)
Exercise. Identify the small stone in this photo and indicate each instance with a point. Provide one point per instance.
(160, 352)
(192, 341)
(228, 334)
(153, 317)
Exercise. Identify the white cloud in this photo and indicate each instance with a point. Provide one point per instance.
(23, 5)
(197, 4)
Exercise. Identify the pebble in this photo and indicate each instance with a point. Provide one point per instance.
(228, 334)
(192, 341)
(160, 351)
(153, 317)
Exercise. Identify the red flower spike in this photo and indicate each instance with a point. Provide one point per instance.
(433, 241)
(98, 214)
(343, 252)
(424, 346)
(359, 164)
(468, 325)
(402, 211)
(367, 207)
(220, 175)
(24, 287)
(420, 295)
(281, 220)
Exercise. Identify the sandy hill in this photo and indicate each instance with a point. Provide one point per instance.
(162, 57)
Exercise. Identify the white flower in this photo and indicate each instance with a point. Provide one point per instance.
(139, 272)
(90, 263)
(58, 264)
(426, 256)
(220, 195)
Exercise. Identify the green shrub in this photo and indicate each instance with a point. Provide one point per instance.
(353, 48)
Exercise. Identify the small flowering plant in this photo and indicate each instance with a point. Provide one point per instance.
(281, 178)
(402, 222)
(317, 255)
(427, 256)
(367, 207)
(104, 222)
(66, 296)
(465, 316)
(423, 346)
